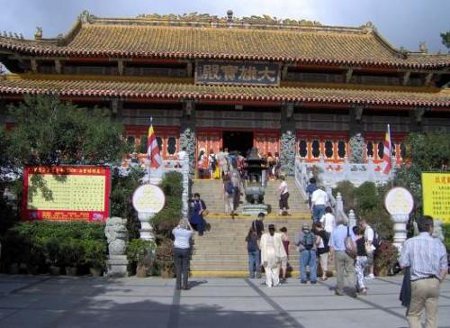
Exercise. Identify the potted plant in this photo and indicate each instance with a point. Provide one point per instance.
(164, 259)
(94, 256)
(71, 255)
(141, 252)
(52, 252)
(386, 258)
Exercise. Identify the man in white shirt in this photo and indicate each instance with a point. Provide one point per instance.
(319, 200)
(426, 259)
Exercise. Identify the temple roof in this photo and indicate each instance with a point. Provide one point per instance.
(17, 85)
(197, 38)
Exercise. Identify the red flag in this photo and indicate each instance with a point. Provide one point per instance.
(153, 149)
(387, 151)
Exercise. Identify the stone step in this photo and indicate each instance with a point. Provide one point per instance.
(222, 250)
(211, 192)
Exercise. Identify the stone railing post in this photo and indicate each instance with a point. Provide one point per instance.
(339, 203)
(351, 218)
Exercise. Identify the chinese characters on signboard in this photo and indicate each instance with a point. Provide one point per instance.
(75, 193)
(436, 195)
(250, 73)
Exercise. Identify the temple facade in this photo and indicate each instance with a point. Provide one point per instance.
(296, 88)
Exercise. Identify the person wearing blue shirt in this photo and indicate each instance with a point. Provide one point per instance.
(182, 252)
(345, 268)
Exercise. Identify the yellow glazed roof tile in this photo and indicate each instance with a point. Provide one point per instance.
(146, 39)
(178, 91)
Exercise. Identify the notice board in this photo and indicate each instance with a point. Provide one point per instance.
(436, 195)
(66, 193)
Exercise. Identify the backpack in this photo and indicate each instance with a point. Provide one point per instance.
(229, 188)
(308, 240)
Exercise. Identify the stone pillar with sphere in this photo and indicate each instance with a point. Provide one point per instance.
(399, 203)
(148, 200)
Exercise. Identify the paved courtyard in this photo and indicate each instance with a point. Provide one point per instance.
(46, 301)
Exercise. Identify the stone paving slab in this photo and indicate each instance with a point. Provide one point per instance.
(46, 301)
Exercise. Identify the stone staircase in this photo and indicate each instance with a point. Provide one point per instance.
(211, 191)
(222, 251)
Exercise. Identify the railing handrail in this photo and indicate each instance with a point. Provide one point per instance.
(302, 179)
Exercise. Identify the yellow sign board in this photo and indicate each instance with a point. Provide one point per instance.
(436, 195)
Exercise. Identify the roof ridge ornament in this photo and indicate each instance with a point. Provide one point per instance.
(38, 33)
(423, 48)
(85, 17)
(369, 27)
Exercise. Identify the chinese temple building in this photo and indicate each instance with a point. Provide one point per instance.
(293, 87)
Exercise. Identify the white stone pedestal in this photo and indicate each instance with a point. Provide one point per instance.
(400, 221)
(146, 231)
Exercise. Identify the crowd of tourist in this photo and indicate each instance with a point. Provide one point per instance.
(318, 245)
(325, 241)
(217, 165)
(423, 258)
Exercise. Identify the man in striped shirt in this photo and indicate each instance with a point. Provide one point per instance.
(427, 259)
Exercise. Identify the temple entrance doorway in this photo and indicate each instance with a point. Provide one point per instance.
(241, 141)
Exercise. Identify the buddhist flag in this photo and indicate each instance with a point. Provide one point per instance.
(387, 151)
(153, 149)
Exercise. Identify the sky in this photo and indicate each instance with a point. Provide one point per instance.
(403, 23)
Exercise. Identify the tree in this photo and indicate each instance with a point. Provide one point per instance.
(446, 39)
(425, 152)
(50, 132)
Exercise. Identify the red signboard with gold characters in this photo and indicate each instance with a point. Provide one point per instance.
(70, 193)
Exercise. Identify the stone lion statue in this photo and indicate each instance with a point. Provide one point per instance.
(117, 235)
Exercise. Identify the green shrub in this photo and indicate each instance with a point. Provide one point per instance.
(122, 191)
(366, 196)
(39, 244)
(164, 221)
(347, 190)
(95, 252)
(140, 253)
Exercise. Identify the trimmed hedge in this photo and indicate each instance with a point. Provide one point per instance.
(35, 246)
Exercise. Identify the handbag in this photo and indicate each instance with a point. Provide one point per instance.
(369, 248)
(350, 246)
(205, 212)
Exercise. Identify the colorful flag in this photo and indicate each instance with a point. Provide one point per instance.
(153, 149)
(387, 151)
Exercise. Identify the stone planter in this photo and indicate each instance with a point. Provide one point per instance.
(71, 270)
(95, 272)
(167, 271)
(13, 268)
(54, 270)
(141, 270)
